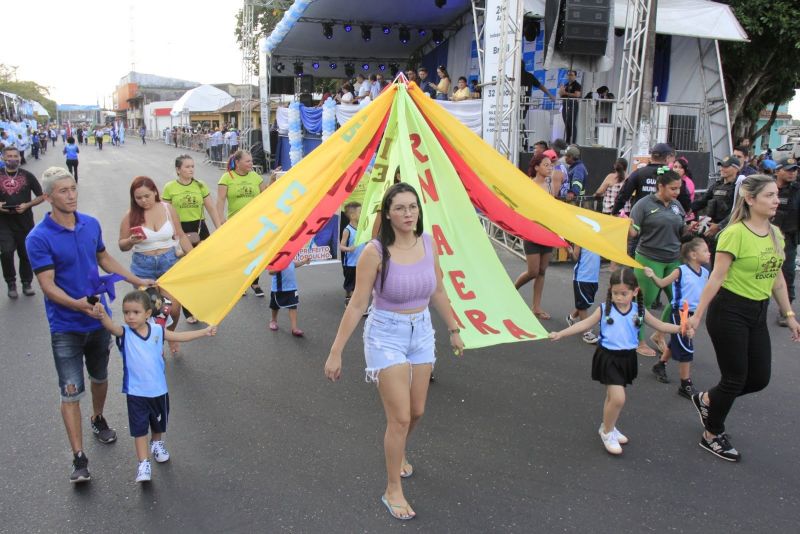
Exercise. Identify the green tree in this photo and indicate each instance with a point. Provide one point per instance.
(764, 71)
(26, 89)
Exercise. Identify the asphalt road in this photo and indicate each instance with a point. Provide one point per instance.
(260, 442)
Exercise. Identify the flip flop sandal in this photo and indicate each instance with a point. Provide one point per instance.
(646, 354)
(394, 514)
(544, 316)
(191, 320)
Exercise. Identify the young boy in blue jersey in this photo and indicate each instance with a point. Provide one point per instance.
(585, 278)
(284, 295)
(141, 343)
(350, 252)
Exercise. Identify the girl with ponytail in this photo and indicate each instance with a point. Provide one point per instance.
(614, 363)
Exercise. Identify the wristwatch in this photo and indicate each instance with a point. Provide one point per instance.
(788, 314)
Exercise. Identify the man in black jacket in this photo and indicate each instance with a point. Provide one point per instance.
(787, 218)
(642, 181)
(719, 197)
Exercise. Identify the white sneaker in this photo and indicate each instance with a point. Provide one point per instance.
(621, 438)
(570, 319)
(159, 452)
(590, 338)
(610, 441)
(143, 472)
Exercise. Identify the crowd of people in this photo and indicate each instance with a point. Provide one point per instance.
(722, 254)
(365, 88)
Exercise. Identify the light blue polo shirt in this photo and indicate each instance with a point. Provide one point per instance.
(73, 256)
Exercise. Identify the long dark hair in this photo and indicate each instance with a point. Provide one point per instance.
(621, 167)
(386, 235)
(625, 276)
(136, 217)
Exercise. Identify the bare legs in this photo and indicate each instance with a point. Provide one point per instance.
(404, 400)
(615, 400)
(537, 265)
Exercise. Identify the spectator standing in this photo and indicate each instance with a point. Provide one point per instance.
(425, 84)
(143, 134)
(611, 186)
(65, 249)
(443, 87)
(16, 220)
(743, 154)
(36, 144)
(786, 218)
(569, 107)
(642, 182)
(718, 199)
(576, 174)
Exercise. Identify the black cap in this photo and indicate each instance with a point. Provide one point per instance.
(662, 148)
(728, 161)
(787, 164)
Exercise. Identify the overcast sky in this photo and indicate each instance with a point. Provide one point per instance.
(80, 49)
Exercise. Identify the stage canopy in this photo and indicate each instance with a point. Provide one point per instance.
(305, 39)
(203, 98)
(690, 18)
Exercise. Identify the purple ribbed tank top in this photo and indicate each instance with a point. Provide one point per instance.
(407, 286)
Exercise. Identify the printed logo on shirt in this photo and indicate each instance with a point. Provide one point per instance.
(769, 265)
(675, 209)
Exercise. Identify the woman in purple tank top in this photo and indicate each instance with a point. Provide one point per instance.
(401, 270)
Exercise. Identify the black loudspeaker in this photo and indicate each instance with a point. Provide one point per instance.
(530, 28)
(698, 166)
(599, 162)
(583, 27)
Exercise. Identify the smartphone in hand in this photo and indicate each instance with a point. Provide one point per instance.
(138, 231)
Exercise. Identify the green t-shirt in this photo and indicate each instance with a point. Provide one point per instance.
(241, 189)
(755, 264)
(186, 199)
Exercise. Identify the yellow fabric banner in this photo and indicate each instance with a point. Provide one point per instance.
(280, 221)
(602, 234)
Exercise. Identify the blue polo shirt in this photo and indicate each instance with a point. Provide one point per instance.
(73, 255)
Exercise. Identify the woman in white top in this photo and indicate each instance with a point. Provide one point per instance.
(152, 229)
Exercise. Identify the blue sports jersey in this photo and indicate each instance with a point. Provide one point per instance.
(351, 258)
(587, 267)
(71, 151)
(285, 280)
(143, 361)
(689, 286)
(623, 334)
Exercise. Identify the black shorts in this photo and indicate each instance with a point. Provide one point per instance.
(584, 294)
(681, 348)
(349, 278)
(283, 299)
(145, 413)
(535, 248)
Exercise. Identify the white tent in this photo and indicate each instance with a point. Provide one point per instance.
(689, 18)
(38, 109)
(203, 98)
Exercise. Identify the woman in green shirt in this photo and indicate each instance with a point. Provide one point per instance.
(747, 270)
(238, 186)
(191, 199)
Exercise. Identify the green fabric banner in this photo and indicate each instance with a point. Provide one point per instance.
(488, 308)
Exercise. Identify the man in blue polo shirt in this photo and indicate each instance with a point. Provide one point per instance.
(65, 249)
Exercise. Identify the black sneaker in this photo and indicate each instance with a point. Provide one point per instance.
(700, 406)
(686, 389)
(12, 291)
(27, 290)
(101, 430)
(257, 290)
(721, 446)
(80, 469)
(660, 370)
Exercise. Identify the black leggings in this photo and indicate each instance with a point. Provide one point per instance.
(72, 167)
(738, 330)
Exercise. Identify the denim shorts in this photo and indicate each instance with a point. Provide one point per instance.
(69, 351)
(396, 338)
(152, 267)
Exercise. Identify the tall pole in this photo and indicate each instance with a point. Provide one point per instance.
(646, 107)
